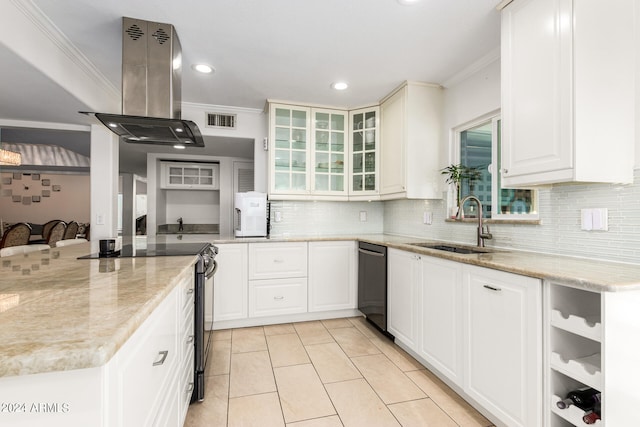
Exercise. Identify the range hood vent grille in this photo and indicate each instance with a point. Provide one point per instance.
(218, 120)
(135, 32)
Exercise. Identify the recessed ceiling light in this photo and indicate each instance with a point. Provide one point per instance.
(203, 68)
(179, 146)
(408, 2)
(339, 86)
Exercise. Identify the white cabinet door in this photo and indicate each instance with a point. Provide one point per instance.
(503, 344)
(440, 302)
(404, 274)
(410, 142)
(230, 283)
(393, 135)
(332, 276)
(277, 260)
(556, 112)
(147, 366)
(365, 153)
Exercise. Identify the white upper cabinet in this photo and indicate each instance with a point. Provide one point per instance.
(567, 91)
(365, 153)
(308, 153)
(190, 176)
(411, 119)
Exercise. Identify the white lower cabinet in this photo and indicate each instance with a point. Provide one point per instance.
(230, 283)
(503, 344)
(278, 278)
(404, 277)
(440, 303)
(478, 328)
(332, 275)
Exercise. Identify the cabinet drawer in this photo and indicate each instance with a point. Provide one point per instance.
(277, 296)
(277, 260)
(148, 365)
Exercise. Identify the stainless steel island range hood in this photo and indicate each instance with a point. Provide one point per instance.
(151, 88)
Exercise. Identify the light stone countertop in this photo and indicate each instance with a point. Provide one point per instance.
(589, 274)
(60, 313)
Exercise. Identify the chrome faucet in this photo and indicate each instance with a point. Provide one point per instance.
(180, 227)
(482, 234)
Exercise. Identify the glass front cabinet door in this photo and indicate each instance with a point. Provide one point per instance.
(329, 155)
(364, 152)
(290, 151)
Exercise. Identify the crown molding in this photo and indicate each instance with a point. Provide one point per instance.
(491, 57)
(62, 42)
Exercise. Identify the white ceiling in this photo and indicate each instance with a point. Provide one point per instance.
(277, 49)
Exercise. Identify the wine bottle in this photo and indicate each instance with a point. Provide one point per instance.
(584, 398)
(591, 417)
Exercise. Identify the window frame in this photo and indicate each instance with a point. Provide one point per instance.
(494, 117)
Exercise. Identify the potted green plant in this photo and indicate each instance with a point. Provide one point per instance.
(455, 174)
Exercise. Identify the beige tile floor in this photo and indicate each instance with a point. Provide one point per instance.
(330, 373)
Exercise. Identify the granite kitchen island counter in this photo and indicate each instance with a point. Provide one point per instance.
(58, 313)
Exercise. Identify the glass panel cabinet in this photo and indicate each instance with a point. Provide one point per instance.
(290, 136)
(329, 132)
(365, 143)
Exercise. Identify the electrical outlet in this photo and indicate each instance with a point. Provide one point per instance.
(427, 218)
(363, 216)
(277, 216)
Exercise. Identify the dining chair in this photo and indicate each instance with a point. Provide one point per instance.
(71, 231)
(16, 235)
(56, 233)
(46, 228)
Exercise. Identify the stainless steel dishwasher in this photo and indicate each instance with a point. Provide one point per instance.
(372, 284)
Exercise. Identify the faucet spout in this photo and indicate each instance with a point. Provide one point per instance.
(481, 233)
(180, 226)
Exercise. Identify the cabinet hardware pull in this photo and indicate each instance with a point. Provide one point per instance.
(190, 388)
(368, 252)
(492, 288)
(190, 339)
(163, 355)
(278, 298)
(190, 291)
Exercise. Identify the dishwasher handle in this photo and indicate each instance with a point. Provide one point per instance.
(368, 252)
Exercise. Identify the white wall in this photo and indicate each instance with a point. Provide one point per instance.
(70, 203)
(193, 206)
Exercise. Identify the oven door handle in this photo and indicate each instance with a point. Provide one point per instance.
(211, 270)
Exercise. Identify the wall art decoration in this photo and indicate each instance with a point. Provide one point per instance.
(56, 187)
(17, 175)
(46, 193)
(35, 199)
(6, 180)
(7, 192)
(16, 198)
(26, 200)
(35, 177)
(46, 182)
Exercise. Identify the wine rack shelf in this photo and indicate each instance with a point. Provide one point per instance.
(587, 326)
(571, 414)
(584, 369)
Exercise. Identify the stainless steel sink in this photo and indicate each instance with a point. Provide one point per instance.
(459, 249)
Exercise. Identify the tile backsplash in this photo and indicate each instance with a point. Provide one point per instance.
(558, 233)
(325, 218)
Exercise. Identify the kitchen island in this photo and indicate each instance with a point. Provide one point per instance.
(70, 328)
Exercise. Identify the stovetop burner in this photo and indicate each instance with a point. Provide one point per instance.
(157, 249)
